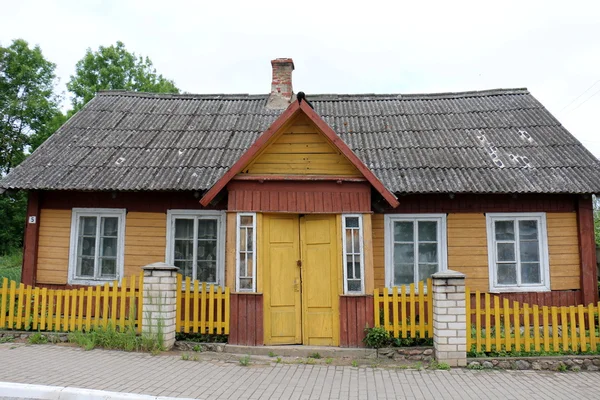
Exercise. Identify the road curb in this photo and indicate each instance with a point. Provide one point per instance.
(43, 392)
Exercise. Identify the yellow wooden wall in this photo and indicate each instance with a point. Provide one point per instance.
(301, 149)
(53, 246)
(467, 249)
(145, 243)
(145, 240)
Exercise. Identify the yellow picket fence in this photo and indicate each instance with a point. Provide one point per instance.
(202, 308)
(509, 326)
(405, 313)
(25, 307)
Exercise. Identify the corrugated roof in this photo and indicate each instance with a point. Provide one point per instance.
(496, 141)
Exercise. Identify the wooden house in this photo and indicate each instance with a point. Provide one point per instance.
(303, 205)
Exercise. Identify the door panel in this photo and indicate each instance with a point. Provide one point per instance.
(283, 310)
(320, 272)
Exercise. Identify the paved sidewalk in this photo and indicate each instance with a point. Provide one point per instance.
(169, 375)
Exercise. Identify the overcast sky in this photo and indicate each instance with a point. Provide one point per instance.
(551, 47)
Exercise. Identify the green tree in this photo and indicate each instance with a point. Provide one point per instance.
(27, 100)
(112, 68)
(28, 110)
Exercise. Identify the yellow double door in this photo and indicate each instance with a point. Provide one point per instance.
(301, 279)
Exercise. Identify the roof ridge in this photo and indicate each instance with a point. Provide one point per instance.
(325, 96)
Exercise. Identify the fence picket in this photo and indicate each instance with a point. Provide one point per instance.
(196, 307)
(122, 304)
(592, 326)
(488, 323)
(546, 328)
(73, 309)
(3, 301)
(50, 318)
(506, 316)
(211, 309)
(468, 318)
(478, 321)
(582, 338)
(565, 328)
(497, 323)
(386, 309)
(376, 308)
(20, 306)
(536, 328)
(203, 309)
(80, 308)
(395, 311)
(186, 322)
(88, 309)
(517, 324)
(105, 308)
(219, 309)
(57, 319)
(44, 293)
(403, 318)
(226, 310)
(36, 308)
(526, 332)
(140, 302)
(412, 311)
(430, 308)
(27, 309)
(421, 310)
(11, 304)
(574, 341)
(555, 345)
(114, 309)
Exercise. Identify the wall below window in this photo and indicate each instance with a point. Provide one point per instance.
(356, 312)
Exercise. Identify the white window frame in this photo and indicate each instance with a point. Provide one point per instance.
(237, 252)
(544, 257)
(362, 253)
(389, 220)
(172, 215)
(77, 213)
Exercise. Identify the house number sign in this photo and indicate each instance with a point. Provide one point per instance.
(32, 219)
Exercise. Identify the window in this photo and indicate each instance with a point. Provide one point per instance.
(246, 252)
(518, 252)
(415, 247)
(97, 245)
(196, 244)
(353, 254)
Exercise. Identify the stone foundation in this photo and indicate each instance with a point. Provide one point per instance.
(560, 363)
(53, 337)
(407, 353)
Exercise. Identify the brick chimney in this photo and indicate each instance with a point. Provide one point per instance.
(282, 92)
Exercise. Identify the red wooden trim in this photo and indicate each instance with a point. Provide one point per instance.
(263, 139)
(587, 250)
(341, 146)
(250, 153)
(356, 312)
(296, 178)
(30, 246)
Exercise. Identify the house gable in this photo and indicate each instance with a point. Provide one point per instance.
(300, 148)
(308, 117)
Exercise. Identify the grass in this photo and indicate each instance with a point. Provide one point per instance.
(245, 361)
(111, 338)
(315, 356)
(37, 338)
(271, 354)
(10, 265)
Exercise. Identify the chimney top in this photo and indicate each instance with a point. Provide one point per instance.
(282, 93)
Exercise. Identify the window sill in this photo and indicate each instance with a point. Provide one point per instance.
(93, 282)
(522, 289)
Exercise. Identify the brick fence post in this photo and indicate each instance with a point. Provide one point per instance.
(449, 318)
(159, 305)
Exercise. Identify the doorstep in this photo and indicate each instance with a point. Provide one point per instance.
(281, 350)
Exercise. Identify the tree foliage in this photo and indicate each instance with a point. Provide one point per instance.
(27, 100)
(112, 68)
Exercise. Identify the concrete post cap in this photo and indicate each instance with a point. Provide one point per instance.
(448, 274)
(160, 266)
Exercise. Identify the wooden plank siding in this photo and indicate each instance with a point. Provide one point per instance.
(299, 197)
(145, 240)
(301, 149)
(246, 319)
(467, 249)
(53, 246)
(356, 313)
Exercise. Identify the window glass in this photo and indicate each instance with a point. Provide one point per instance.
(416, 250)
(246, 252)
(353, 254)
